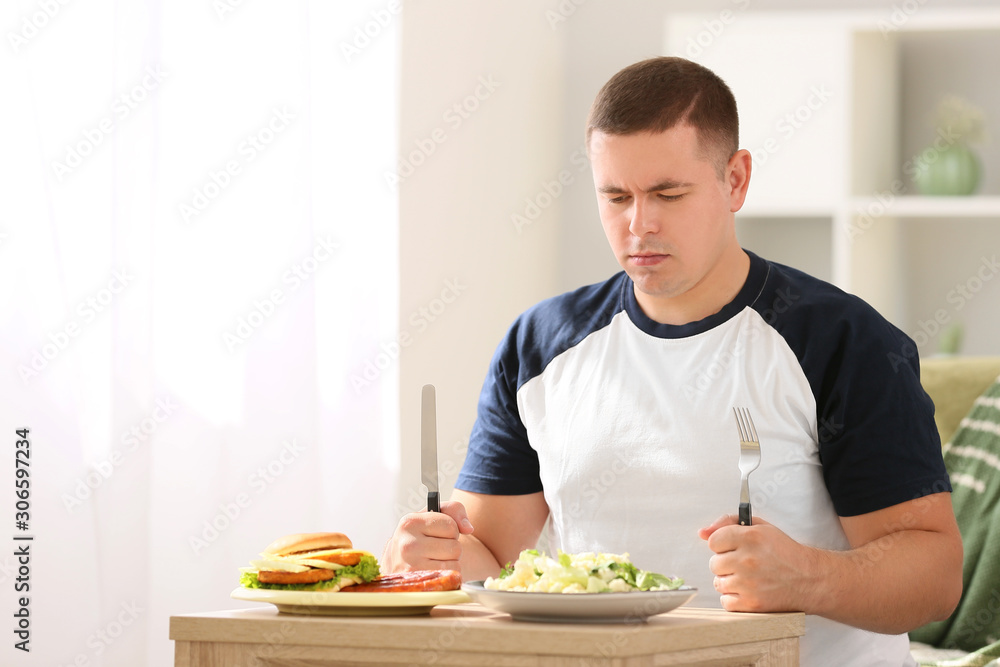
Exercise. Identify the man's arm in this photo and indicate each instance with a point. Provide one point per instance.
(904, 568)
(907, 564)
(504, 525)
(474, 533)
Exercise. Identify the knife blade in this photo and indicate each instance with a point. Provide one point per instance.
(428, 447)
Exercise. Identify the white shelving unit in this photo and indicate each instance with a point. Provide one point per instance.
(834, 107)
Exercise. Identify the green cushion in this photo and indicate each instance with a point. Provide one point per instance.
(953, 383)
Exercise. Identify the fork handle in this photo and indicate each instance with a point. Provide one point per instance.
(745, 519)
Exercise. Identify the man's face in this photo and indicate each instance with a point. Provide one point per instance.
(665, 211)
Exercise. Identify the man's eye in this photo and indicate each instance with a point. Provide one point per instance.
(617, 200)
(670, 197)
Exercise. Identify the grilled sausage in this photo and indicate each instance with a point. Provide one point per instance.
(417, 580)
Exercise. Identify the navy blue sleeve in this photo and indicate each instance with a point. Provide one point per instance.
(500, 461)
(878, 443)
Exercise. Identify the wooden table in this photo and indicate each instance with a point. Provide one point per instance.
(474, 635)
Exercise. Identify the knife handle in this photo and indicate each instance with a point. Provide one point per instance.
(433, 502)
(745, 518)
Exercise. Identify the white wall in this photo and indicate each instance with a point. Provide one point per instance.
(456, 208)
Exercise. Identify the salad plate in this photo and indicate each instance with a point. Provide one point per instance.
(632, 607)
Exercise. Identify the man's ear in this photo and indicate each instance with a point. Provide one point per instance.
(738, 178)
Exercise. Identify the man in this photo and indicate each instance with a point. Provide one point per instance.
(608, 411)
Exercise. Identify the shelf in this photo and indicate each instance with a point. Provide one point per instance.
(932, 20)
(927, 207)
(780, 212)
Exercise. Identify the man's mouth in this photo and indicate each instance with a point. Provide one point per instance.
(647, 258)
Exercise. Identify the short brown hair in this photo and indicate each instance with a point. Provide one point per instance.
(655, 95)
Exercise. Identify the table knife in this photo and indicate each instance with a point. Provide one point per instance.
(428, 447)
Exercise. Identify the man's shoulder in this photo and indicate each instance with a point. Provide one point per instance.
(790, 293)
(559, 323)
(827, 327)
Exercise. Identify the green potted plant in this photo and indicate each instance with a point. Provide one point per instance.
(949, 166)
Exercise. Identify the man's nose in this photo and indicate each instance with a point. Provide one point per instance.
(643, 218)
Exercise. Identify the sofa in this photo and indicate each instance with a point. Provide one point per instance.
(971, 636)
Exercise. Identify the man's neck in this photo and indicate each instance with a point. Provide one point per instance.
(708, 297)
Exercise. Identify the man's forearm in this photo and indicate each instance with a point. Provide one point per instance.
(477, 561)
(891, 585)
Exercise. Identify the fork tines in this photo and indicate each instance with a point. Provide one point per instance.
(745, 425)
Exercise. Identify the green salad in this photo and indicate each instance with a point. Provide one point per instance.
(534, 572)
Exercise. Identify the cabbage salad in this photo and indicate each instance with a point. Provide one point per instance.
(534, 572)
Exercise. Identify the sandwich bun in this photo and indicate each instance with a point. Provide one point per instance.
(310, 561)
(303, 542)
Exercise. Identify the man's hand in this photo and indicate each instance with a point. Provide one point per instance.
(904, 567)
(758, 568)
(444, 541)
(428, 540)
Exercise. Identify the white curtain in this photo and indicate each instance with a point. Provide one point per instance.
(198, 252)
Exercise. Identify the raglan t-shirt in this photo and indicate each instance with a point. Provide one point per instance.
(627, 427)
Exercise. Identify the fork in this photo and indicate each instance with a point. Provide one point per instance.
(749, 460)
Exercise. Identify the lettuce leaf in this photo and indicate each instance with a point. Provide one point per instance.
(647, 580)
(366, 570)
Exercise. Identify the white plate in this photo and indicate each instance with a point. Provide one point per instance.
(632, 607)
(350, 604)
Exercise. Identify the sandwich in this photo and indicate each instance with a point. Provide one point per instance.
(310, 562)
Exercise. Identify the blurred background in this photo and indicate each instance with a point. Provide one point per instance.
(237, 236)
